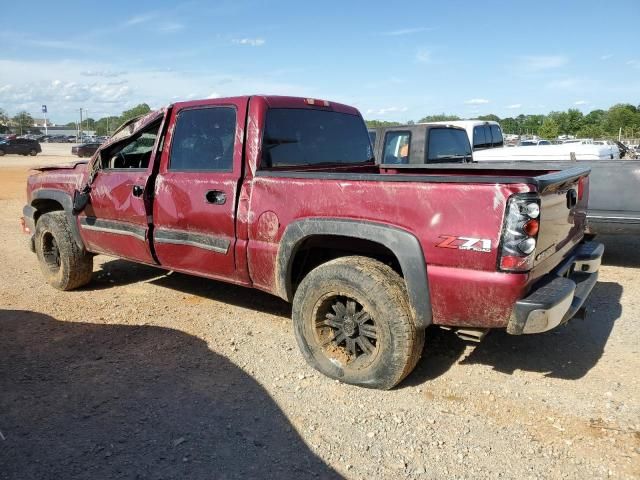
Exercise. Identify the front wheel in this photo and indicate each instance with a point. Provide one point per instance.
(353, 323)
(64, 264)
(33, 152)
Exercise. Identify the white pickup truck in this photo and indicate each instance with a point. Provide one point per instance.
(488, 146)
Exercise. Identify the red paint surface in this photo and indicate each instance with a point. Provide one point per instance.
(465, 287)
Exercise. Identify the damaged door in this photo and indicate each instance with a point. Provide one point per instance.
(196, 189)
(115, 219)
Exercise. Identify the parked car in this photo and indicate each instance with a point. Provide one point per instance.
(20, 146)
(533, 143)
(85, 149)
(282, 194)
(421, 143)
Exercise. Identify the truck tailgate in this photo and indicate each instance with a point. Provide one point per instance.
(563, 213)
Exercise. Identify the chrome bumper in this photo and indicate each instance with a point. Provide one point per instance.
(561, 295)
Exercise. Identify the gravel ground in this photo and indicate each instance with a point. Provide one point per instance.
(148, 374)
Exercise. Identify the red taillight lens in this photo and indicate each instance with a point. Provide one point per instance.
(531, 227)
(513, 262)
(581, 183)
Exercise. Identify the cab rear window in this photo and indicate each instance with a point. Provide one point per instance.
(448, 145)
(302, 137)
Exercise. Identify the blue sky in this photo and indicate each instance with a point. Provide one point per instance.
(392, 60)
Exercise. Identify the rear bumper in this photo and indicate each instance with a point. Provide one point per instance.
(560, 294)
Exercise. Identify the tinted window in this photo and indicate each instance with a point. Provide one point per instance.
(132, 153)
(496, 136)
(203, 139)
(396, 147)
(479, 137)
(448, 145)
(295, 137)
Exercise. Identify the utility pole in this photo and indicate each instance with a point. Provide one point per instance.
(79, 127)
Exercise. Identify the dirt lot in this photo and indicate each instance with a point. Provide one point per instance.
(147, 374)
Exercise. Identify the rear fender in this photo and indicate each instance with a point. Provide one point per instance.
(404, 245)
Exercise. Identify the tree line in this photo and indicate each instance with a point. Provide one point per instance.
(595, 124)
(22, 122)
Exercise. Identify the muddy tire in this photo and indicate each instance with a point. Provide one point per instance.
(64, 264)
(353, 323)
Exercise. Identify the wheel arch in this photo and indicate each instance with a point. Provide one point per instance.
(404, 246)
(48, 200)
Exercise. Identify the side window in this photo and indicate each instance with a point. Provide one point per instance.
(496, 136)
(479, 137)
(397, 145)
(135, 152)
(203, 139)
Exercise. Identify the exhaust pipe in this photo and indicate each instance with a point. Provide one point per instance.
(471, 334)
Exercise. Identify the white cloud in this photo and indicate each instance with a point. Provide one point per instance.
(170, 27)
(386, 111)
(606, 57)
(423, 56)
(536, 63)
(139, 19)
(101, 73)
(476, 101)
(580, 102)
(213, 95)
(563, 84)
(634, 63)
(26, 85)
(405, 31)
(253, 42)
(514, 106)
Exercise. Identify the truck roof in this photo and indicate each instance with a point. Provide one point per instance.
(278, 101)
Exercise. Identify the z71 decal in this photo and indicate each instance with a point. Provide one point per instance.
(465, 243)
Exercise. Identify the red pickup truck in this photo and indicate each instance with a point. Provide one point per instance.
(283, 194)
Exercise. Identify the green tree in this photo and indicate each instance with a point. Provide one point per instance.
(4, 121)
(489, 118)
(141, 109)
(623, 116)
(549, 128)
(591, 131)
(442, 117)
(574, 120)
(381, 123)
(22, 121)
(561, 120)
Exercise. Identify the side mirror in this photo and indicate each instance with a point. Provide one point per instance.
(81, 199)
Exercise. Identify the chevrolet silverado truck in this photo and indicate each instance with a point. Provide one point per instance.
(282, 194)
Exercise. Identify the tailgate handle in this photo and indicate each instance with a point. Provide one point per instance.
(572, 198)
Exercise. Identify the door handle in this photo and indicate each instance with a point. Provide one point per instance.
(137, 190)
(216, 197)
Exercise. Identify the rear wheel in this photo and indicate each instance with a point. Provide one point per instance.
(1, 153)
(353, 323)
(33, 152)
(64, 264)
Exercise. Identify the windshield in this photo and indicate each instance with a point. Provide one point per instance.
(448, 144)
(302, 137)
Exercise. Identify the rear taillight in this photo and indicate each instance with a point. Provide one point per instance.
(520, 233)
